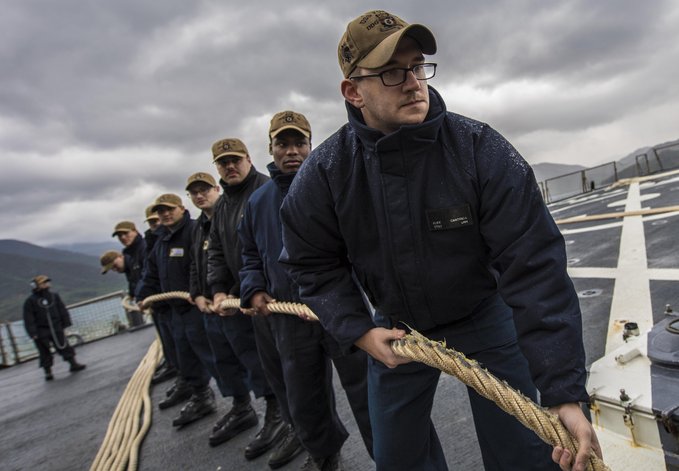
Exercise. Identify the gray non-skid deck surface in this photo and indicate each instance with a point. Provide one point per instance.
(60, 425)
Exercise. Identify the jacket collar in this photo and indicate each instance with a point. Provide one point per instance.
(231, 190)
(134, 246)
(282, 180)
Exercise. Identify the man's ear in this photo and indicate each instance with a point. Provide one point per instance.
(270, 148)
(350, 92)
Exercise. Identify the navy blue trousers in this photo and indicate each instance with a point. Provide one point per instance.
(401, 400)
(300, 373)
(194, 356)
(162, 318)
(352, 370)
(237, 364)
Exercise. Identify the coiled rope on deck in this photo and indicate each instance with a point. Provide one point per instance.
(131, 418)
(436, 354)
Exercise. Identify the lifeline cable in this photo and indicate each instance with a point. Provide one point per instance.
(435, 354)
(45, 304)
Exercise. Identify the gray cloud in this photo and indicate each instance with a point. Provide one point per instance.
(103, 105)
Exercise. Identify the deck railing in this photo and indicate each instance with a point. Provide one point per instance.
(657, 159)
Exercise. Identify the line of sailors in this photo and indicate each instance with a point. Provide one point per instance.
(231, 251)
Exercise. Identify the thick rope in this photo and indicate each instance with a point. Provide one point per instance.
(127, 303)
(168, 295)
(294, 309)
(435, 354)
(545, 424)
(120, 448)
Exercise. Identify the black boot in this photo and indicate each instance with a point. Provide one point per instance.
(75, 366)
(240, 418)
(181, 391)
(202, 403)
(48, 373)
(163, 374)
(240, 404)
(161, 366)
(328, 463)
(272, 431)
(286, 451)
(333, 463)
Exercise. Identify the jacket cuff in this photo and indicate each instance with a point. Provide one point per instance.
(352, 333)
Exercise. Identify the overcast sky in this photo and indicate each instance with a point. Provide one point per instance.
(106, 104)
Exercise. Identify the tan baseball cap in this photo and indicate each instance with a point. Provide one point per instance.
(289, 120)
(107, 260)
(41, 279)
(124, 227)
(168, 199)
(229, 146)
(201, 177)
(371, 39)
(150, 213)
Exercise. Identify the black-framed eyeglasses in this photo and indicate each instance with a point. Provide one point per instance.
(396, 76)
(199, 190)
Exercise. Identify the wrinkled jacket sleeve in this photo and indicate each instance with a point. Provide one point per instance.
(29, 318)
(315, 256)
(150, 282)
(252, 277)
(528, 252)
(219, 277)
(64, 315)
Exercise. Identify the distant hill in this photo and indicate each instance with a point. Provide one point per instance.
(75, 276)
(545, 171)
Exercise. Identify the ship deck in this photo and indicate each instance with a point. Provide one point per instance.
(624, 269)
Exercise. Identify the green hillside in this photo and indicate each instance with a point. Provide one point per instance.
(75, 277)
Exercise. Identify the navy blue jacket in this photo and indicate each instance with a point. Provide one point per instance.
(37, 307)
(135, 256)
(169, 264)
(433, 219)
(150, 238)
(262, 242)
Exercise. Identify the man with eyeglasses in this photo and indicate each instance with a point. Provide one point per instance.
(168, 269)
(440, 222)
(239, 179)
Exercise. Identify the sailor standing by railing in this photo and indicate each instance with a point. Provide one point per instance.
(45, 318)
